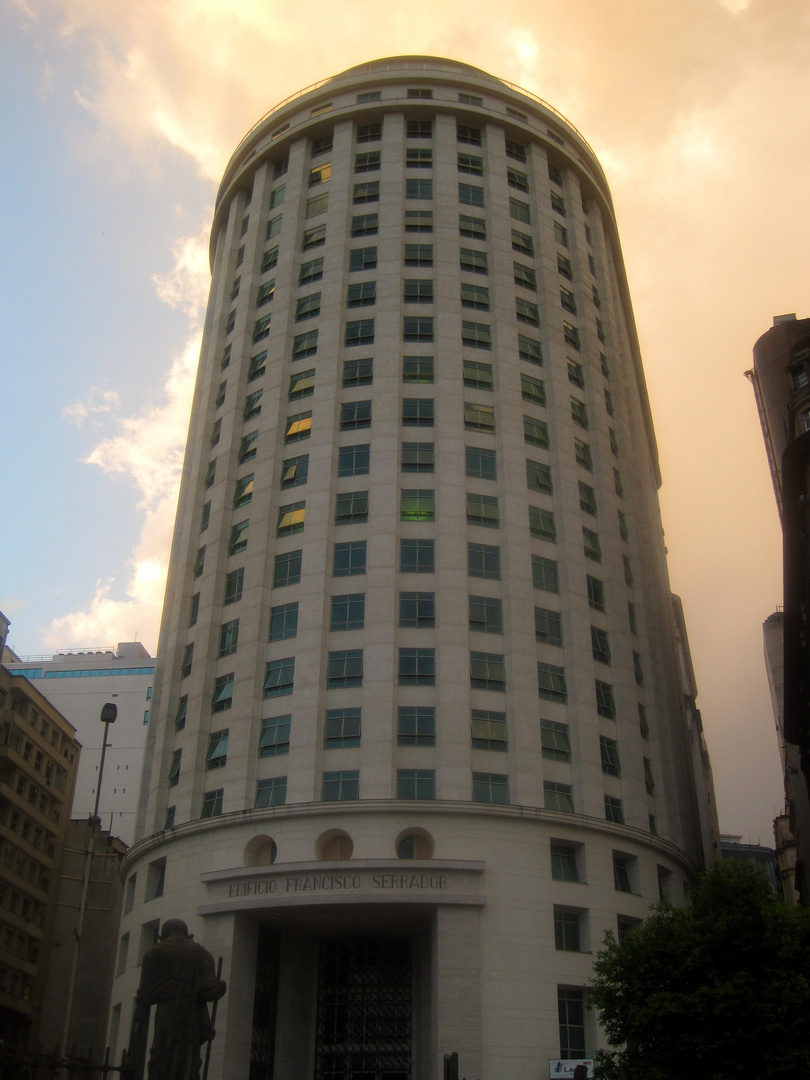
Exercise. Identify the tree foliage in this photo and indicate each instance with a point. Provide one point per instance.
(719, 990)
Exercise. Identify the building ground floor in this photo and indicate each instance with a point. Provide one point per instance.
(401, 937)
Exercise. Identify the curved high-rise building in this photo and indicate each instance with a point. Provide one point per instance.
(419, 729)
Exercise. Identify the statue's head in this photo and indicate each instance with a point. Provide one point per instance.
(174, 928)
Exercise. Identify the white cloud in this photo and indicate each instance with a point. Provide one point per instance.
(97, 402)
(149, 449)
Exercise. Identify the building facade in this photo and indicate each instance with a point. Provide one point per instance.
(420, 724)
(781, 380)
(39, 756)
(79, 682)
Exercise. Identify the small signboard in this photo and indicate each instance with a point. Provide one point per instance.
(563, 1068)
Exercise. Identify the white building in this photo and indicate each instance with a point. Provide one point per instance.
(420, 736)
(78, 683)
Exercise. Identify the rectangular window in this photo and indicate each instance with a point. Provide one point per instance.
(217, 754)
(416, 726)
(368, 192)
(568, 301)
(362, 259)
(417, 667)
(279, 677)
(530, 350)
(470, 163)
(564, 862)
(488, 730)
(419, 221)
(557, 797)
(418, 291)
(474, 296)
(483, 510)
(365, 225)
(417, 609)
(295, 471)
(487, 671)
(631, 617)
(470, 195)
(358, 372)
(472, 261)
(265, 294)
(324, 144)
(341, 786)
(544, 574)
(571, 1009)
(310, 271)
(486, 614)
(302, 384)
(609, 753)
(237, 540)
(174, 769)
(600, 645)
(360, 332)
(418, 157)
(622, 877)
(418, 457)
(582, 454)
(419, 129)
(469, 135)
(228, 637)
(519, 210)
(476, 335)
(344, 669)
(480, 463)
(637, 669)
(524, 276)
(571, 336)
(273, 227)
(541, 524)
(418, 189)
(269, 259)
(417, 369)
(182, 712)
(341, 729)
(318, 204)
(475, 228)
(517, 179)
(555, 741)
(587, 499)
(417, 412)
(533, 390)
(305, 344)
(308, 307)
(554, 175)
(199, 561)
(628, 570)
(420, 92)
(479, 417)
(416, 556)
(490, 788)
(369, 132)
(283, 621)
(287, 569)
(551, 683)
(275, 736)
(566, 930)
(417, 504)
(234, 583)
(252, 405)
(272, 792)
(558, 203)
(416, 784)
(354, 460)
(522, 242)
(605, 703)
(354, 415)
(314, 237)
(417, 328)
(484, 561)
(257, 366)
(419, 254)
(351, 508)
(349, 559)
(291, 518)
(527, 312)
(477, 375)
(298, 427)
(591, 546)
(649, 781)
(320, 174)
(596, 593)
(348, 612)
(548, 626)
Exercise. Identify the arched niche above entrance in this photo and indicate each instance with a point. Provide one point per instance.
(260, 851)
(414, 844)
(333, 845)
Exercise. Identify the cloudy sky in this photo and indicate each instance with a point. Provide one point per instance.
(117, 121)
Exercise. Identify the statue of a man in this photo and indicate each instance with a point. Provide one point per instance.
(178, 977)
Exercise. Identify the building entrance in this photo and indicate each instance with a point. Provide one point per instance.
(364, 1016)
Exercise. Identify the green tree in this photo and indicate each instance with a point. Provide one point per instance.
(719, 990)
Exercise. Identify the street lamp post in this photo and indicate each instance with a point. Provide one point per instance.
(108, 716)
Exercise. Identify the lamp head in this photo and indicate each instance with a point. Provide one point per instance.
(108, 713)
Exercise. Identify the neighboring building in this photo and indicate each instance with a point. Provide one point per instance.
(781, 381)
(39, 755)
(420, 734)
(79, 682)
(99, 943)
(764, 857)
